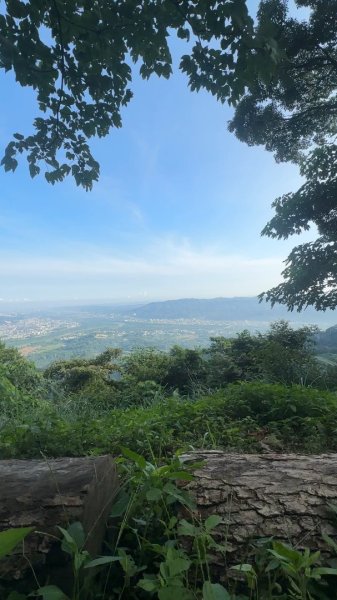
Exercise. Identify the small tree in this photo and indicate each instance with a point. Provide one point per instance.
(75, 374)
(187, 372)
(20, 372)
(146, 364)
(282, 355)
(219, 364)
(286, 355)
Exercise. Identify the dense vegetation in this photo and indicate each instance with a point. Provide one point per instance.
(252, 393)
(240, 393)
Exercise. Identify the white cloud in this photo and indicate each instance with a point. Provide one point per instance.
(167, 269)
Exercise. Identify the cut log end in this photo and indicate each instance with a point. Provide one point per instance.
(45, 494)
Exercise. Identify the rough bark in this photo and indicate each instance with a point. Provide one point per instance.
(44, 494)
(269, 495)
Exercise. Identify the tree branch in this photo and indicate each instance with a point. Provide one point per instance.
(330, 58)
(62, 68)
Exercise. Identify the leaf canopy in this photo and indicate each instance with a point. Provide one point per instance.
(294, 115)
(80, 58)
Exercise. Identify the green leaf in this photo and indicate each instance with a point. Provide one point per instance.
(121, 504)
(76, 531)
(136, 458)
(68, 544)
(330, 541)
(324, 571)
(178, 565)
(10, 538)
(102, 560)
(311, 559)
(127, 563)
(179, 495)
(272, 565)
(186, 528)
(285, 552)
(214, 591)
(149, 584)
(153, 494)
(52, 592)
(212, 521)
(172, 523)
(175, 592)
(244, 568)
(80, 559)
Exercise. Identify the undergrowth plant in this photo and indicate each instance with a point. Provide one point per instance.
(288, 419)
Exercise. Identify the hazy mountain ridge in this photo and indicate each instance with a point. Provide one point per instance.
(229, 309)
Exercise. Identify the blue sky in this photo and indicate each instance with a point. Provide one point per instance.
(177, 212)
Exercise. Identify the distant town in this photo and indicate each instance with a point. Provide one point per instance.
(59, 333)
(34, 326)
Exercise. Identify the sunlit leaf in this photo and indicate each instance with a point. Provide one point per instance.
(10, 538)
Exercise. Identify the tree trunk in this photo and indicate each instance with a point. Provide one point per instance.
(47, 493)
(269, 495)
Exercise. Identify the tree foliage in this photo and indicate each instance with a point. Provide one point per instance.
(281, 355)
(146, 364)
(231, 394)
(76, 374)
(294, 115)
(147, 375)
(19, 372)
(80, 57)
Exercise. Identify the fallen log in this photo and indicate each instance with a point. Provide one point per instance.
(286, 497)
(47, 493)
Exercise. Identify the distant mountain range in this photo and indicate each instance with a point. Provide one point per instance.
(229, 309)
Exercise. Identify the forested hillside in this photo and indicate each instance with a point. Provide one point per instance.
(226, 309)
(231, 394)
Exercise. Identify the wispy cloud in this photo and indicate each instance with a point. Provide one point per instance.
(175, 266)
(164, 270)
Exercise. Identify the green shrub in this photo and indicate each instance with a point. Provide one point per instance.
(266, 403)
(235, 419)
